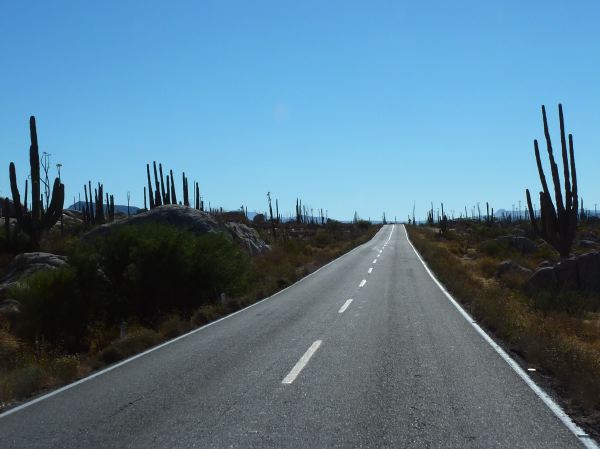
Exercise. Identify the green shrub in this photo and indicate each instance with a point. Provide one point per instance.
(55, 308)
(155, 269)
(142, 273)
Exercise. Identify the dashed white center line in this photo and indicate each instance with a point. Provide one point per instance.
(345, 306)
(362, 283)
(291, 377)
(374, 260)
(370, 270)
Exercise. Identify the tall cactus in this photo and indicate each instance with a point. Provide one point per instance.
(186, 193)
(163, 194)
(99, 216)
(33, 223)
(173, 193)
(558, 224)
(150, 195)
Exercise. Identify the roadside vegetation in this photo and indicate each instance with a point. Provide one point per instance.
(533, 279)
(138, 286)
(99, 298)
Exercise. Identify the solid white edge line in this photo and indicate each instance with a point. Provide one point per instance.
(17, 408)
(298, 367)
(581, 435)
(362, 283)
(345, 306)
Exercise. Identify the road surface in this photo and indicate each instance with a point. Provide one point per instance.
(366, 352)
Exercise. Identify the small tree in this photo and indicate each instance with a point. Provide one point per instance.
(557, 224)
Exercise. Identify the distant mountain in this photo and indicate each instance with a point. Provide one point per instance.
(119, 208)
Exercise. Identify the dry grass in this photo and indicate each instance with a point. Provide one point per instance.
(561, 342)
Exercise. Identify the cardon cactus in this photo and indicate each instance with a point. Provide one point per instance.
(558, 224)
(35, 221)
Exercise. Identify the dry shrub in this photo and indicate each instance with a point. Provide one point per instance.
(554, 331)
(173, 326)
(206, 314)
(137, 341)
(22, 382)
(65, 368)
(10, 348)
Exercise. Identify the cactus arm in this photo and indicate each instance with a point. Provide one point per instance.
(173, 193)
(55, 208)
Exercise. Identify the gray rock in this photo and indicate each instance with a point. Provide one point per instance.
(545, 263)
(10, 307)
(72, 219)
(522, 244)
(542, 279)
(576, 273)
(587, 244)
(588, 271)
(509, 266)
(566, 273)
(248, 237)
(187, 218)
(26, 264)
(181, 217)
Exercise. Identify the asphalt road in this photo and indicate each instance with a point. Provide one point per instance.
(398, 366)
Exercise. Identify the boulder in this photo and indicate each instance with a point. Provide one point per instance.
(259, 219)
(587, 244)
(509, 266)
(542, 279)
(522, 244)
(588, 271)
(181, 217)
(71, 220)
(576, 273)
(190, 219)
(248, 237)
(26, 264)
(566, 273)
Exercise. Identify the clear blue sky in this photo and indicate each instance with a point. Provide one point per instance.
(363, 106)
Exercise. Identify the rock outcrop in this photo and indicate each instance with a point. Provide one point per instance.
(190, 219)
(510, 266)
(576, 273)
(248, 237)
(26, 264)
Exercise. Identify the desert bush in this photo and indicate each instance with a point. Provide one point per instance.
(173, 326)
(65, 368)
(21, 382)
(570, 301)
(206, 314)
(136, 341)
(153, 270)
(55, 307)
(9, 350)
